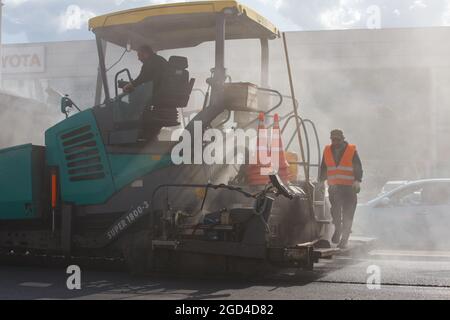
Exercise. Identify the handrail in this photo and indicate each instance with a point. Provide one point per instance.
(274, 93)
(117, 77)
(319, 152)
(319, 149)
(279, 104)
(308, 147)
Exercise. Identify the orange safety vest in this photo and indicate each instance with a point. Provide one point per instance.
(342, 174)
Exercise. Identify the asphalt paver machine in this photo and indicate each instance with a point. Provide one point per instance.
(104, 184)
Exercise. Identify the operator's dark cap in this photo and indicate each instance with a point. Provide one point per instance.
(337, 134)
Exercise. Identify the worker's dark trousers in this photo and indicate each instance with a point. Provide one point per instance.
(343, 206)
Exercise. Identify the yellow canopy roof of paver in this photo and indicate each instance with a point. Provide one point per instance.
(180, 25)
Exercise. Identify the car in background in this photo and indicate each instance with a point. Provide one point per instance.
(414, 215)
(392, 185)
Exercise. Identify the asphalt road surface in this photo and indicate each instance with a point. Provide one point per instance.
(403, 275)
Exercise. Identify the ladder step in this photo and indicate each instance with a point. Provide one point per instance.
(170, 245)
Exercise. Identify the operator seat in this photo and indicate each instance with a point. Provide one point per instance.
(151, 109)
(173, 93)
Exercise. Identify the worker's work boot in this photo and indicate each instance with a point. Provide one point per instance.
(344, 241)
(337, 235)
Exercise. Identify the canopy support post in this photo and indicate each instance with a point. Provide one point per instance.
(264, 62)
(99, 88)
(219, 76)
(264, 97)
(296, 111)
(102, 68)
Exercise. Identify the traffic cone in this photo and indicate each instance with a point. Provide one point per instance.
(254, 171)
(278, 152)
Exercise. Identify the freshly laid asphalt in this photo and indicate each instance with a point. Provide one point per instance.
(403, 274)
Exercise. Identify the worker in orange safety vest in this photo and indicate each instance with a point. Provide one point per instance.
(342, 169)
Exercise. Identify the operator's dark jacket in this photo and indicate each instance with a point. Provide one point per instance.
(338, 154)
(153, 69)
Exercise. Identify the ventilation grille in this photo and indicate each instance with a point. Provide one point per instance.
(83, 160)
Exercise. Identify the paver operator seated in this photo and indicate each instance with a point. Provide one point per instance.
(153, 69)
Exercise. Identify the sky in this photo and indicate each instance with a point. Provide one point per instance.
(62, 20)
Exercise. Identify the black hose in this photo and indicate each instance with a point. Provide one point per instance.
(205, 197)
(209, 186)
(118, 61)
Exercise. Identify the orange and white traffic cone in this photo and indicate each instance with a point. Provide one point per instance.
(278, 153)
(256, 172)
